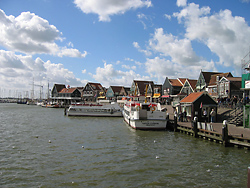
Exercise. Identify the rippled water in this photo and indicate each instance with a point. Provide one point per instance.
(40, 147)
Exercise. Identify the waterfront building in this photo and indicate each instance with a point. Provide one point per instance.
(56, 89)
(188, 86)
(172, 86)
(195, 103)
(113, 92)
(204, 79)
(69, 95)
(92, 91)
(116, 92)
(229, 87)
(139, 89)
(213, 86)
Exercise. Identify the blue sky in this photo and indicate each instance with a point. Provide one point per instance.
(116, 41)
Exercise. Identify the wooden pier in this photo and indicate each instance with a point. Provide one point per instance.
(220, 133)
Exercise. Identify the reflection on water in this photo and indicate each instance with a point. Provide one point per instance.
(41, 147)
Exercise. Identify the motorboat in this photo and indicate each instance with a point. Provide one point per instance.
(95, 110)
(144, 116)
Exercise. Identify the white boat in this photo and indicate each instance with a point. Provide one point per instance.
(145, 116)
(95, 110)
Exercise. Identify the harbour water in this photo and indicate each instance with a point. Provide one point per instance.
(40, 147)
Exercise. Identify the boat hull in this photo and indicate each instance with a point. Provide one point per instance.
(148, 124)
(93, 114)
(95, 111)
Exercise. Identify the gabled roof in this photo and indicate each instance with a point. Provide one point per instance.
(191, 97)
(68, 90)
(59, 87)
(182, 80)
(141, 84)
(176, 82)
(95, 86)
(213, 79)
(192, 83)
(116, 88)
(207, 75)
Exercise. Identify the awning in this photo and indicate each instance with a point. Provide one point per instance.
(156, 95)
(165, 96)
(102, 97)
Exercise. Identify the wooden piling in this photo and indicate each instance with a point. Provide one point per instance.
(195, 129)
(248, 178)
(175, 124)
(225, 134)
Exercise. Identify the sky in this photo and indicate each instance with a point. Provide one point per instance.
(114, 42)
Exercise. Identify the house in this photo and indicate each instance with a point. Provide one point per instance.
(142, 89)
(212, 87)
(125, 91)
(69, 95)
(113, 92)
(204, 80)
(56, 89)
(157, 92)
(229, 87)
(188, 86)
(195, 103)
(92, 91)
(172, 86)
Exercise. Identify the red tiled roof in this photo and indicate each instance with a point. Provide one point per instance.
(116, 88)
(175, 82)
(192, 83)
(182, 80)
(67, 90)
(191, 97)
(214, 77)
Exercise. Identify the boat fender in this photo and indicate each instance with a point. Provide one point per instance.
(153, 108)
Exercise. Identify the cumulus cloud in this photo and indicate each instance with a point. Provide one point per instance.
(181, 3)
(18, 71)
(158, 68)
(108, 75)
(31, 34)
(137, 46)
(107, 8)
(180, 50)
(225, 35)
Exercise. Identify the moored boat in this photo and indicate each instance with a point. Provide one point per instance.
(95, 110)
(145, 116)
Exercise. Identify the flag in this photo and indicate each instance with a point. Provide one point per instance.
(201, 105)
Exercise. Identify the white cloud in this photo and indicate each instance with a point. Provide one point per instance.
(225, 35)
(180, 50)
(31, 34)
(160, 68)
(167, 16)
(181, 3)
(71, 53)
(137, 46)
(107, 8)
(129, 67)
(18, 71)
(108, 76)
(84, 71)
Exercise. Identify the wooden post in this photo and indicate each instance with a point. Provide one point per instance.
(167, 118)
(248, 177)
(225, 133)
(65, 111)
(195, 128)
(175, 124)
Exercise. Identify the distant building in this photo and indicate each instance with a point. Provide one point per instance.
(92, 91)
(56, 89)
(172, 86)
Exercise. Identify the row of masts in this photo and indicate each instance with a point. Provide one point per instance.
(33, 94)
